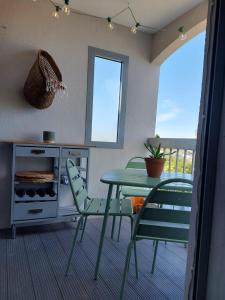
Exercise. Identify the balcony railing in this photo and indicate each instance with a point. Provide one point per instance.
(183, 159)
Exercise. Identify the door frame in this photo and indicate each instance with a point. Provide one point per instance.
(206, 153)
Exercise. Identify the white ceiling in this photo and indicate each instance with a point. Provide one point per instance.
(153, 13)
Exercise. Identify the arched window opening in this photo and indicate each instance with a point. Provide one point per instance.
(180, 91)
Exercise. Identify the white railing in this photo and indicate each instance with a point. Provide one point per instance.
(183, 158)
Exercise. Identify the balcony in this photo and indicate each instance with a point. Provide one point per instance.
(33, 265)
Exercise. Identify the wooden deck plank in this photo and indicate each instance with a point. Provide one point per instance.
(168, 262)
(79, 284)
(111, 271)
(87, 251)
(20, 285)
(33, 266)
(3, 266)
(142, 288)
(82, 262)
(45, 284)
(159, 280)
(167, 257)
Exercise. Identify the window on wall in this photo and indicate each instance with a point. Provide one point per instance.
(106, 98)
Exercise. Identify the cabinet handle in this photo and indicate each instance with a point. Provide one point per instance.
(37, 152)
(35, 211)
(74, 153)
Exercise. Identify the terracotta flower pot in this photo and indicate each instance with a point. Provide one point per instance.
(154, 166)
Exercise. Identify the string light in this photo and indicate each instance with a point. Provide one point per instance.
(110, 24)
(134, 28)
(182, 34)
(66, 8)
(56, 12)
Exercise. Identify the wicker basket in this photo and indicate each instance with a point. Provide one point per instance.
(35, 90)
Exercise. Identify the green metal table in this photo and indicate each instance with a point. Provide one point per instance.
(134, 178)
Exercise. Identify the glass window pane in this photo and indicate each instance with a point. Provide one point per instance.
(106, 100)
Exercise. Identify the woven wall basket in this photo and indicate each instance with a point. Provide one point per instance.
(43, 70)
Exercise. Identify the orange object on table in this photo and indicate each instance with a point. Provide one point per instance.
(137, 203)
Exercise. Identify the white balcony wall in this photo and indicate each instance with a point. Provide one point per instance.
(25, 27)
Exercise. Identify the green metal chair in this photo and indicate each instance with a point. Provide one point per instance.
(161, 223)
(136, 162)
(92, 207)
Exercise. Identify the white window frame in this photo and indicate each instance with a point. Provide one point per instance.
(124, 60)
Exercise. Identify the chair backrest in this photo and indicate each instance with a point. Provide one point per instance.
(136, 162)
(77, 185)
(169, 220)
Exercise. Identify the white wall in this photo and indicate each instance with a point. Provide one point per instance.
(29, 27)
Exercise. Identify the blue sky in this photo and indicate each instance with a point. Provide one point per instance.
(180, 90)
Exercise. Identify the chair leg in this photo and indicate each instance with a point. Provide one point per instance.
(84, 225)
(73, 245)
(135, 259)
(154, 257)
(119, 229)
(131, 227)
(126, 269)
(113, 227)
(131, 232)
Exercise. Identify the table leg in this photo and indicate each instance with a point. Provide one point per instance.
(114, 218)
(117, 191)
(103, 230)
(113, 227)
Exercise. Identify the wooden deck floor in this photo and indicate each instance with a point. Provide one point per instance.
(33, 266)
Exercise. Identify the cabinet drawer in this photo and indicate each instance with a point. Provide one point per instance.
(37, 151)
(71, 152)
(33, 211)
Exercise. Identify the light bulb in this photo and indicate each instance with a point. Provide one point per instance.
(56, 12)
(66, 8)
(110, 24)
(133, 29)
(182, 36)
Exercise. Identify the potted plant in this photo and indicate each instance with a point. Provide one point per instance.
(156, 160)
